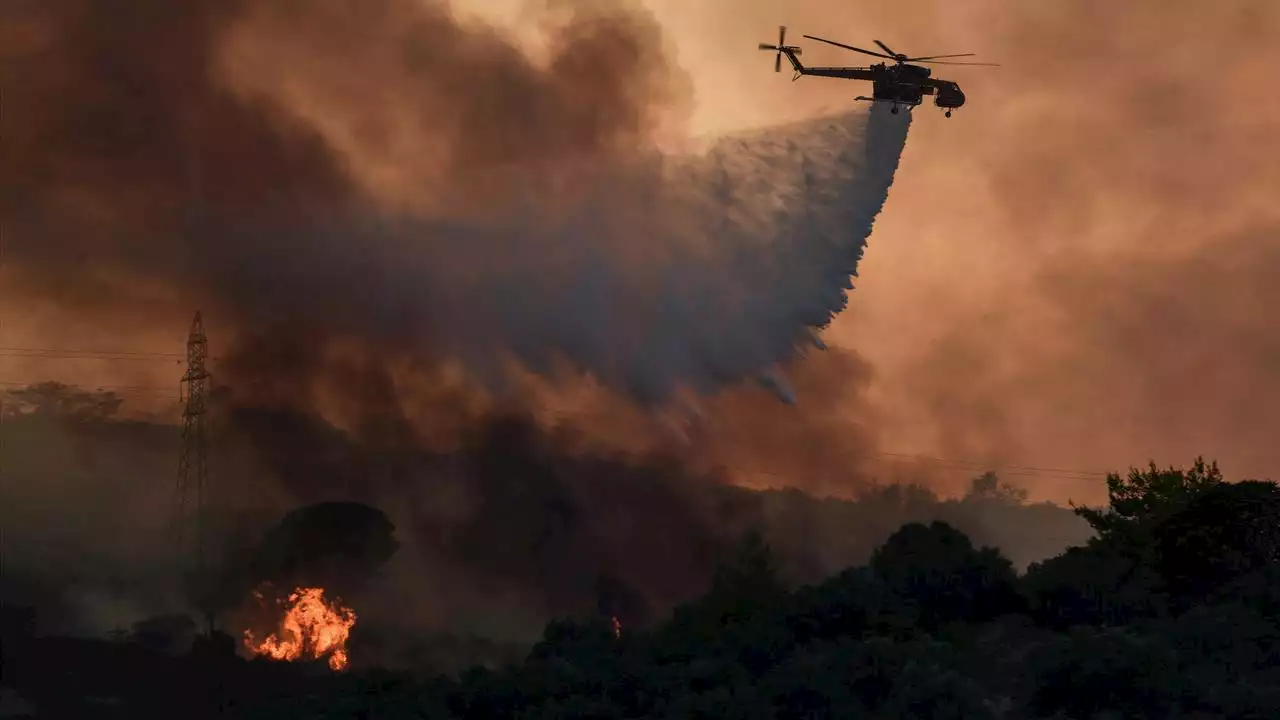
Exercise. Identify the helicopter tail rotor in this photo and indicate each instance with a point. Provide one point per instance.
(780, 48)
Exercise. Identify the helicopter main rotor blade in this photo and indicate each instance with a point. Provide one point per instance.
(884, 47)
(935, 57)
(944, 62)
(777, 63)
(850, 47)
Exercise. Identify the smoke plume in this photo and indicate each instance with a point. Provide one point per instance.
(389, 177)
(400, 225)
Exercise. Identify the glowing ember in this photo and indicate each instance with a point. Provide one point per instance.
(311, 629)
(617, 627)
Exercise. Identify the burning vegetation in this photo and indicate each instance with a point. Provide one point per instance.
(311, 628)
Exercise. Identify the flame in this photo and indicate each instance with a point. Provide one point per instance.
(311, 628)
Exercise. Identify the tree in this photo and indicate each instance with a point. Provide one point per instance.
(987, 486)
(1146, 497)
(58, 400)
(579, 642)
(848, 605)
(1110, 672)
(1227, 532)
(1092, 585)
(1116, 578)
(742, 619)
(752, 573)
(937, 568)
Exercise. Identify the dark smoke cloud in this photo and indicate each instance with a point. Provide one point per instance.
(128, 114)
(387, 176)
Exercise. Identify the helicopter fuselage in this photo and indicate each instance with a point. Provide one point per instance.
(897, 83)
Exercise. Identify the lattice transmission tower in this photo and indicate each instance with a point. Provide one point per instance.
(191, 521)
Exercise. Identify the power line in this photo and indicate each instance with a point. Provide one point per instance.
(89, 353)
(1004, 471)
(38, 383)
(52, 356)
(96, 356)
(116, 389)
(1084, 474)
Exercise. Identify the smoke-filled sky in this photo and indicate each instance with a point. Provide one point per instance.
(1077, 270)
(1080, 268)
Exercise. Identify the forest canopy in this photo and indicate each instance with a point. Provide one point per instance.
(1170, 611)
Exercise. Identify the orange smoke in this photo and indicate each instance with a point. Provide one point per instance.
(310, 629)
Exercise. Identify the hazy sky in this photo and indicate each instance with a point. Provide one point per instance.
(1081, 269)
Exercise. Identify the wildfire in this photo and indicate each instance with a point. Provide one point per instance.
(310, 629)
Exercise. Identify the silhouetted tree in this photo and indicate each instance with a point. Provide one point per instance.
(752, 572)
(936, 568)
(1117, 578)
(1225, 533)
(1093, 585)
(335, 545)
(1145, 497)
(849, 605)
(575, 641)
(55, 399)
(1105, 673)
(923, 630)
(987, 486)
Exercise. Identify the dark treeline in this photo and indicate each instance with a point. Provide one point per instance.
(1169, 611)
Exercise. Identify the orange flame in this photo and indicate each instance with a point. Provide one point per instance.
(311, 628)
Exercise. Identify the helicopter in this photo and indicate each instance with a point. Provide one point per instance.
(901, 83)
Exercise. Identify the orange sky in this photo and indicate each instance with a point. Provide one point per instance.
(1079, 269)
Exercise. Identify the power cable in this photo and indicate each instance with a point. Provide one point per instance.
(87, 353)
(118, 389)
